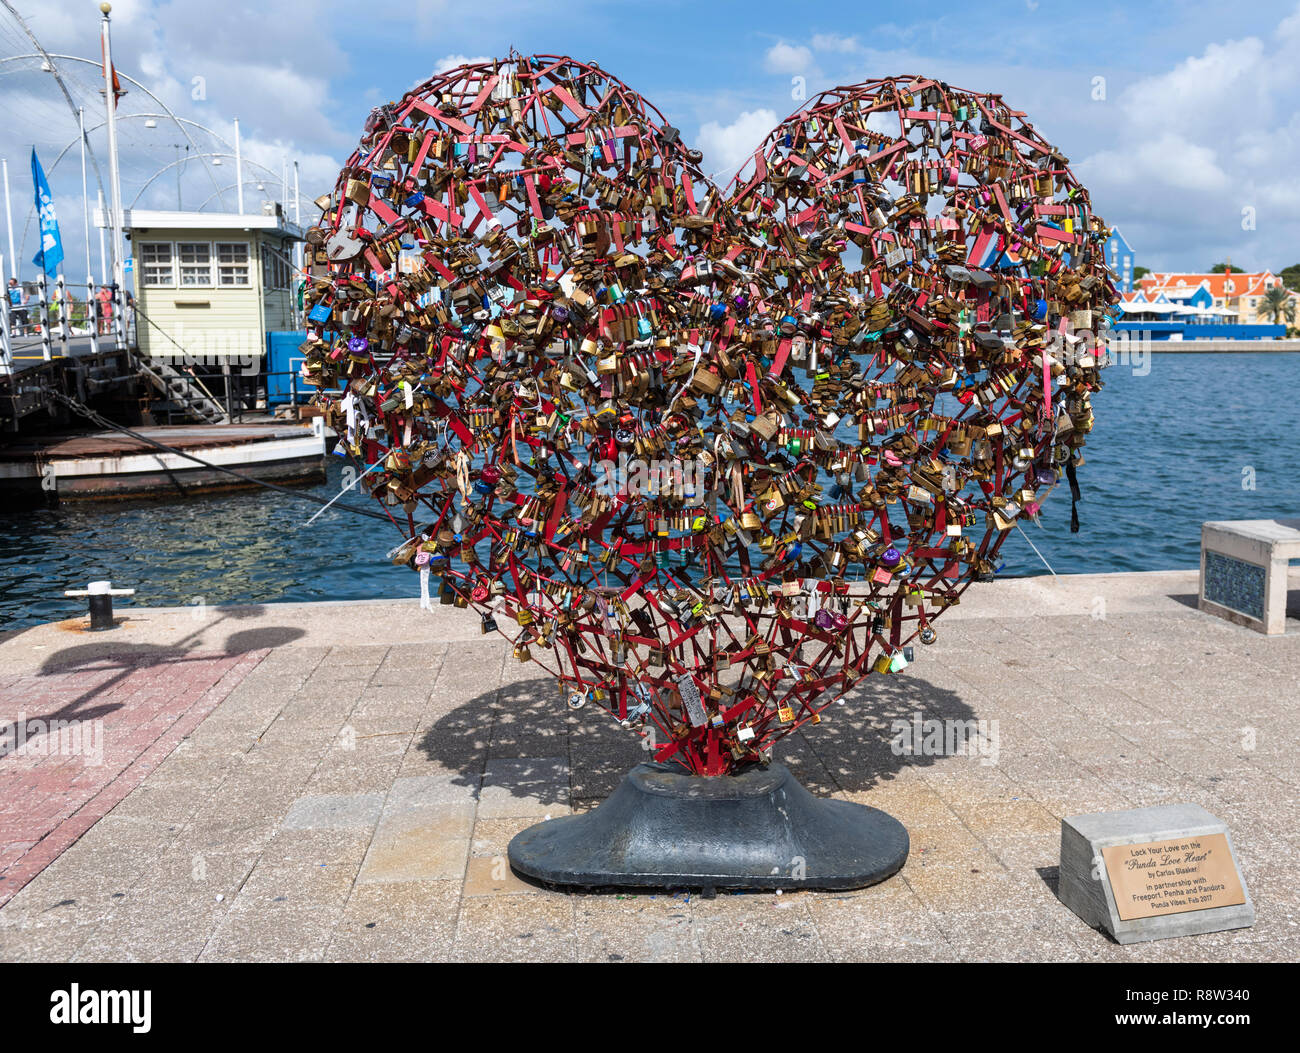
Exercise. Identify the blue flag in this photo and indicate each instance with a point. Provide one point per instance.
(51, 253)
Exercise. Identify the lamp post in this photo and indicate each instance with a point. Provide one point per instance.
(239, 171)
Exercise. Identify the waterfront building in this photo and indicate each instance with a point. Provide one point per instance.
(1243, 293)
(210, 285)
(1119, 258)
(1188, 313)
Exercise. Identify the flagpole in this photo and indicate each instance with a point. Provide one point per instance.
(9, 221)
(114, 179)
(92, 321)
(45, 293)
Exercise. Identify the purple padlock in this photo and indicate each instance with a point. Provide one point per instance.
(824, 619)
(358, 345)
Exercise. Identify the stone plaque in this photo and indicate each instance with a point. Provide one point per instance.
(1151, 873)
(1169, 877)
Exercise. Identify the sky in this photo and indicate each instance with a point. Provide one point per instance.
(1181, 118)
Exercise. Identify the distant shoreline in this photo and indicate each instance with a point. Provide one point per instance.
(1237, 347)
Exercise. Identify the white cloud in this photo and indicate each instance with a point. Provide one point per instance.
(836, 43)
(727, 146)
(447, 62)
(787, 58)
(1190, 148)
(440, 66)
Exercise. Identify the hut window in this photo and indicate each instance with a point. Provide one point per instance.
(232, 262)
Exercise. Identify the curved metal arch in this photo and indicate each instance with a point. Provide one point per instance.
(183, 160)
(231, 186)
(58, 79)
(48, 57)
(133, 116)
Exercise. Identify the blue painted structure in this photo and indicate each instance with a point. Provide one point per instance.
(282, 357)
(1119, 258)
(1201, 330)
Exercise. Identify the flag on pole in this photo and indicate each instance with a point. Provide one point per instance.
(51, 252)
(117, 84)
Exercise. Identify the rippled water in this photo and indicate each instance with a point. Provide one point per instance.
(1168, 452)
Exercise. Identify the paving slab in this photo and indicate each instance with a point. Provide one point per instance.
(270, 794)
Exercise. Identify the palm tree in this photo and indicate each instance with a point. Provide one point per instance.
(1279, 305)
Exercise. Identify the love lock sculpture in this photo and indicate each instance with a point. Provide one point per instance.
(712, 457)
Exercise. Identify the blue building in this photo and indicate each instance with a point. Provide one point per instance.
(1119, 258)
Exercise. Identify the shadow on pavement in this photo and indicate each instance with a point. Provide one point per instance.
(119, 659)
(849, 751)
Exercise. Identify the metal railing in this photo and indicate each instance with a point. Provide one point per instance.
(100, 313)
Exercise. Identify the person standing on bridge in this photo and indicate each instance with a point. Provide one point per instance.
(17, 308)
(105, 297)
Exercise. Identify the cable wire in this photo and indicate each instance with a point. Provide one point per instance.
(104, 422)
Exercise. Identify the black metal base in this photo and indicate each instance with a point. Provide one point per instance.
(665, 829)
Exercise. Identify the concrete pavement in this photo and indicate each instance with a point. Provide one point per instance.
(339, 782)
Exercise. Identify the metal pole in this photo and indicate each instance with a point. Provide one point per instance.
(92, 314)
(239, 171)
(296, 276)
(114, 173)
(85, 196)
(6, 346)
(103, 259)
(293, 393)
(64, 315)
(45, 319)
(92, 318)
(230, 411)
(9, 220)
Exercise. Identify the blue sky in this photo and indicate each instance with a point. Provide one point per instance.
(1180, 117)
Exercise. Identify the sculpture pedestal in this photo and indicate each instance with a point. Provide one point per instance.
(665, 829)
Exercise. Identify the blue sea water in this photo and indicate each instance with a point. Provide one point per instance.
(1179, 440)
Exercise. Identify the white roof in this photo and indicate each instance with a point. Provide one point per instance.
(148, 219)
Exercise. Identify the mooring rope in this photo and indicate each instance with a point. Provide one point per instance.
(104, 422)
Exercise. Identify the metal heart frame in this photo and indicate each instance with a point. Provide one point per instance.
(569, 367)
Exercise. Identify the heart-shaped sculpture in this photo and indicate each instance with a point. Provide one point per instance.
(717, 455)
